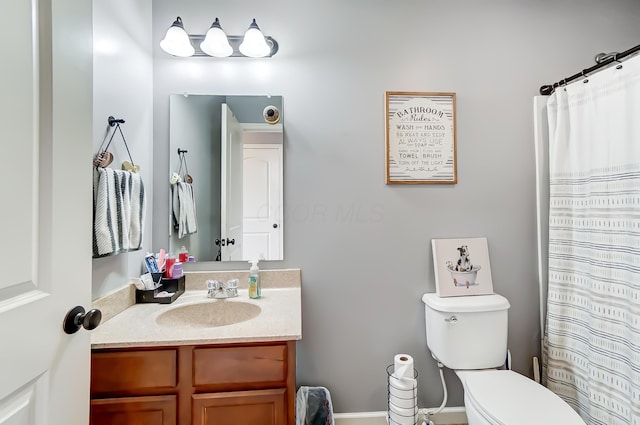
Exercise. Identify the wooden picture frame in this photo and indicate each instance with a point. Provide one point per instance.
(420, 138)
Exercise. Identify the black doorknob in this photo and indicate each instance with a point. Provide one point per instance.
(225, 242)
(275, 225)
(77, 317)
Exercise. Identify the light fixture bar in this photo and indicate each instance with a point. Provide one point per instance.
(234, 41)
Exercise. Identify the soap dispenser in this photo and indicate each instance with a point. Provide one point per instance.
(254, 280)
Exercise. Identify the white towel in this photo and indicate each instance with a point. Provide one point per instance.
(118, 211)
(184, 209)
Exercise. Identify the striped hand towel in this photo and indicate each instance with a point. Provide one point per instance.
(118, 211)
(184, 209)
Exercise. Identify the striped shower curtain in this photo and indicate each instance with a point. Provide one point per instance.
(592, 333)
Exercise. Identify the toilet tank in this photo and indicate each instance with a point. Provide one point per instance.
(467, 332)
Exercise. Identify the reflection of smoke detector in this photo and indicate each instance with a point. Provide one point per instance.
(271, 114)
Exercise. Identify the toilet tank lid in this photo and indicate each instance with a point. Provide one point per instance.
(467, 303)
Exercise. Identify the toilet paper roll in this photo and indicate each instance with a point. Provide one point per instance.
(402, 411)
(402, 399)
(401, 384)
(402, 416)
(403, 366)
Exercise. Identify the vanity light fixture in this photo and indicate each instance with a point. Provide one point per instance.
(216, 43)
(254, 44)
(176, 42)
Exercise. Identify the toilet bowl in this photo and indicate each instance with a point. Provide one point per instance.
(504, 397)
(468, 334)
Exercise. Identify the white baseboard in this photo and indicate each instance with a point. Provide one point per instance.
(448, 416)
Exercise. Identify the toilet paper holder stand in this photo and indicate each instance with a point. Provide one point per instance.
(402, 403)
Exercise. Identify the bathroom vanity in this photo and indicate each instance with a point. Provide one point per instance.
(145, 371)
(195, 384)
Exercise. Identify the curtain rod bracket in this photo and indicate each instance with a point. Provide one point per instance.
(602, 60)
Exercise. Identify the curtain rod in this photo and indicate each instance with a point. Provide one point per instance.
(602, 61)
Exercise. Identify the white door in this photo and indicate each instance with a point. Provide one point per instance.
(262, 203)
(45, 254)
(231, 198)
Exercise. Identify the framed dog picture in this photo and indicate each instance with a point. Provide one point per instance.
(462, 267)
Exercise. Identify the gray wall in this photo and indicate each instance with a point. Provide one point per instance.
(123, 88)
(363, 246)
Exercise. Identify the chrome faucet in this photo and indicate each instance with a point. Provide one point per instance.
(217, 289)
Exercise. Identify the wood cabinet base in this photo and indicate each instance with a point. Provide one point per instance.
(227, 384)
(154, 410)
(264, 407)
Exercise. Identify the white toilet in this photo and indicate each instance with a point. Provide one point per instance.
(468, 334)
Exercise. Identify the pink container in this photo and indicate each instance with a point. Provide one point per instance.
(168, 266)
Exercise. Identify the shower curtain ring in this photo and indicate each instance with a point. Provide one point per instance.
(584, 74)
(615, 59)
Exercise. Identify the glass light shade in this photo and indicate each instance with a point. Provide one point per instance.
(176, 42)
(253, 44)
(216, 43)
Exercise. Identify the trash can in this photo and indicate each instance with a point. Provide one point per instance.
(313, 406)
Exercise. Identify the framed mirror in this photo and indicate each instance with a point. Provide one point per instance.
(231, 150)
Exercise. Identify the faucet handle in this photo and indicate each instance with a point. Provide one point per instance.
(213, 285)
(232, 287)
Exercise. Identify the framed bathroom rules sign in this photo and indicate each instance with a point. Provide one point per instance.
(420, 138)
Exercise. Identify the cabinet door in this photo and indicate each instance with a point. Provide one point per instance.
(240, 368)
(133, 372)
(264, 407)
(153, 410)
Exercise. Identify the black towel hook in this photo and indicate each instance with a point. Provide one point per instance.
(114, 121)
(183, 163)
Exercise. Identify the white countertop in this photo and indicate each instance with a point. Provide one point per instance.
(280, 319)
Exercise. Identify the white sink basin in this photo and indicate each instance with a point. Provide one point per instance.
(208, 314)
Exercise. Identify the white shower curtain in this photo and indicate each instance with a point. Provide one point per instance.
(592, 333)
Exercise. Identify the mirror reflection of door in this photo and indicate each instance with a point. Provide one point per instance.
(196, 126)
(231, 199)
(262, 203)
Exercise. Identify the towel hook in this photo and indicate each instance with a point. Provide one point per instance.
(114, 121)
(104, 157)
(183, 162)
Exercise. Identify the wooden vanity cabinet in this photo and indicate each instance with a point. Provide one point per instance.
(230, 384)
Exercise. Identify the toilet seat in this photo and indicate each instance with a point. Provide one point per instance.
(504, 397)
